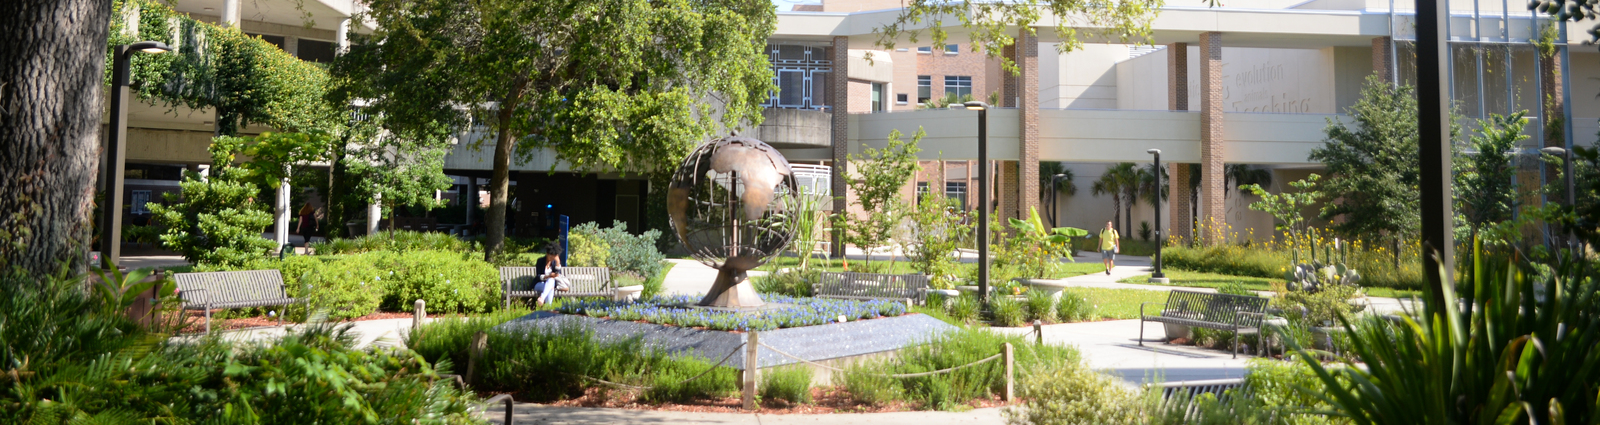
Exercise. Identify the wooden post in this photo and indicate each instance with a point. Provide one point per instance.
(752, 370)
(419, 314)
(1038, 331)
(1009, 358)
(480, 341)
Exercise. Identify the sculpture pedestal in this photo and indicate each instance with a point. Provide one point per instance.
(732, 289)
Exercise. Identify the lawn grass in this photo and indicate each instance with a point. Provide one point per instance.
(1191, 279)
(1117, 304)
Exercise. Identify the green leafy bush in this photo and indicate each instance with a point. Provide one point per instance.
(794, 283)
(1065, 391)
(396, 241)
(1072, 306)
(788, 383)
(448, 281)
(654, 285)
(628, 252)
(345, 287)
(865, 382)
(1007, 311)
(1270, 260)
(214, 221)
(587, 250)
(1041, 306)
(1236, 288)
(446, 340)
(965, 308)
(551, 364)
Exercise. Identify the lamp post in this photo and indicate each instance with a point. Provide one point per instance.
(1572, 190)
(1158, 277)
(1053, 194)
(983, 199)
(116, 131)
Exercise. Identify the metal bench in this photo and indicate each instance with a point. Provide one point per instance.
(224, 290)
(1237, 313)
(912, 288)
(1182, 397)
(518, 282)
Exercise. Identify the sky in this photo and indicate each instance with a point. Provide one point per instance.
(786, 5)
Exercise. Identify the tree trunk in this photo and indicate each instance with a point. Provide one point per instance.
(335, 202)
(500, 181)
(51, 73)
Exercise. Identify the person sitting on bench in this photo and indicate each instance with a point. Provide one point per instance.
(550, 278)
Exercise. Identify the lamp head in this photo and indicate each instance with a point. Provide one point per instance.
(976, 105)
(1553, 150)
(150, 47)
(1153, 151)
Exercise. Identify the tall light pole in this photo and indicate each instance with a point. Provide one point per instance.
(1572, 190)
(1053, 194)
(116, 131)
(1433, 148)
(1158, 277)
(983, 199)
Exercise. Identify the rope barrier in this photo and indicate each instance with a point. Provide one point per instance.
(619, 384)
(891, 375)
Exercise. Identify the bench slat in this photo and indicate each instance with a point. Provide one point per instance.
(871, 286)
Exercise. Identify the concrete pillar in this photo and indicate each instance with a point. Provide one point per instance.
(374, 213)
(280, 214)
(231, 13)
(839, 90)
(1382, 53)
(1182, 218)
(1028, 103)
(1213, 217)
(291, 45)
(342, 34)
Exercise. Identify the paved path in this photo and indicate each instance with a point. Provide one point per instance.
(532, 413)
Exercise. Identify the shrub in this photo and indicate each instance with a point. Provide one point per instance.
(654, 285)
(1074, 307)
(397, 241)
(587, 251)
(550, 364)
(214, 221)
(1007, 311)
(788, 383)
(345, 287)
(1236, 288)
(1269, 260)
(629, 253)
(865, 382)
(794, 283)
(1064, 391)
(448, 281)
(965, 308)
(1041, 306)
(961, 347)
(445, 341)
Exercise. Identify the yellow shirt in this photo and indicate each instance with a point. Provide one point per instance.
(1108, 239)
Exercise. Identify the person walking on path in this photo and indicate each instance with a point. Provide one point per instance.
(1110, 244)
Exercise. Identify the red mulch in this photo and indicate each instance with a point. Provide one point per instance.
(195, 320)
(824, 401)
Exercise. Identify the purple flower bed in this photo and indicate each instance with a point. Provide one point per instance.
(673, 310)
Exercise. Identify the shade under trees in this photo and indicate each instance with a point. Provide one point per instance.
(607, 85)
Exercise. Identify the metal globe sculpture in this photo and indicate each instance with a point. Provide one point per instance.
(726, 205)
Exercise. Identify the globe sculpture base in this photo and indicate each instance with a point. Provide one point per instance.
(732, 290)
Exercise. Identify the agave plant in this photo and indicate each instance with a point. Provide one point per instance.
(1523, 352)
(1315, 277)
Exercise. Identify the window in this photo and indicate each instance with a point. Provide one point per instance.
(791, 88)
(819, 87)
(902, 49)
(877, 97)
(951, 49)
(924, 49)
(276, 40)
(922, 191)
(316, 51)
(957, 191)
(959, 85)
(924, 88)
(140, 198)
(900, 99)
(801, 72)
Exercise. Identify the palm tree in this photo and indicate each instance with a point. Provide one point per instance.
(1148, 181)
(1235, 175)
(1047, 172)
(1121, 182)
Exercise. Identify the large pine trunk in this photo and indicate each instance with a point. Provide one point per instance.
(51, 72)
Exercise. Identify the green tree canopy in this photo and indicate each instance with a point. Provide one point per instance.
(990, 22)
(1485, 179)
(1374, 173)
(627, 85)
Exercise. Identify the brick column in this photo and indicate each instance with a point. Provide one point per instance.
(1028, 103)
(1009, 193)
(839, 93)
(1181, 221)
(1212, 211)
(1178, 77)
(1008, 81)
(1382, 49)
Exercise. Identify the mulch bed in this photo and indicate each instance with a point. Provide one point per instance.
(824, 401)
